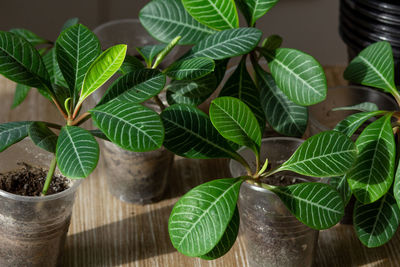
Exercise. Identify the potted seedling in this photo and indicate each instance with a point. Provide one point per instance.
(34, 225)
(205, 221)
(375, 177)
(280, 97)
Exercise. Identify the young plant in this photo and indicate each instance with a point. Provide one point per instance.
(67, 75)
(278, 98)
(374, 179)
(204, 222)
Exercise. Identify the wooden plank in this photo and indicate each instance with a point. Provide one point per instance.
(107, 232)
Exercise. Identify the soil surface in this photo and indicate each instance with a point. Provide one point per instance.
(29, 181)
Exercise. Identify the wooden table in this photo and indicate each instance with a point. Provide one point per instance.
(107, 232)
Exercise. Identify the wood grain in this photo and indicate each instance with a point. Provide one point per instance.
(107, 232)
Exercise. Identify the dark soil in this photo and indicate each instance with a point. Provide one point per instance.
(29, 181)
(283, 179)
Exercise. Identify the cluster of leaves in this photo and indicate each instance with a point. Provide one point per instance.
(374, 179)
(278, 98)
(204, 222)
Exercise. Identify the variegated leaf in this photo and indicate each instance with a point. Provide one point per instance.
(349, 125)
(191, 92)
(42, 136)
(22, 63)
(255, 9)
(190, 69)
(21, 92)
(216, 14)
(227, 44)
(282, 115)
(189, 133)
(342, 186)
(129, 125)
(77, 152)
(298, 75)
(376, 223)
(166, 19)
(240, 85)
(136, 87)
(234, 120)
(372, 174)
(200, 218)
(13, 132)
(374, 66)
(326, 154)
(317, 205)
(76, 48)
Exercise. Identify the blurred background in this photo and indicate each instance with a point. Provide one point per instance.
(308, 25)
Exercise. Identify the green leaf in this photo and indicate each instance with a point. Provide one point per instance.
(240, 85)
(130, 64)
(69, 23)
(190, 69)
(131, 126)
(163, 53)
(149, 52)
(234, 120)
(349, 125)
(31, 37)
(298, 75)
(189, 133)
(21, 63)
(137, 86)
(42, 136)
(105, 66)
(372, 174)
(76, 48)
(199, 219)
(21, 91)
(77, 152)
(56, 76)
(317, 205)
(363, 107)
(12, 132)
(374, 66)
(219, 15)
(282, 115)
(272, 42)
(396, 186)
(326, 154)
(227, 240)
(166, 19)
(376, 223)
(255, 9)
(342, 186)
(191, 92)
(227, 44)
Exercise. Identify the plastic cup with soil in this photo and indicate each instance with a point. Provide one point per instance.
(136, 177)
(33, 228)
(272, 235)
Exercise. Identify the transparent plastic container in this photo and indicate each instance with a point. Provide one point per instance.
(136, 177)
(272, 235)
(32, 229)
(321, 116)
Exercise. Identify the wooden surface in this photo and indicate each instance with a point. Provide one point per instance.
(107, 232)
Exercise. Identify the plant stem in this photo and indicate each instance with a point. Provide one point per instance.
(76, 111)
(257, 163)
(81, 119)
(159, 102)
(59, 108)
(49, 176)
(396, 96)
